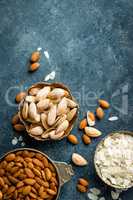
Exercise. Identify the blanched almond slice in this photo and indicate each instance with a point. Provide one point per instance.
(25, 110)
(43, 104)
(62, 127)
(79, 160)
(56, 136)
(57, 93)
(30, 99)
(38, 130)
(43, 93)
(62, 107)
(52, 115)
(44, 120)
(71, 103)
(92, 132)
(71, 114)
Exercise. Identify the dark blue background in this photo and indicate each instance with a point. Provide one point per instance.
(90, 43)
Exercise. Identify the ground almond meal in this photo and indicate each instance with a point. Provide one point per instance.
(114, 160)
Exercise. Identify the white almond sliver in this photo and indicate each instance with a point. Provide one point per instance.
(113, 118)
(95, 191)
(92, 196)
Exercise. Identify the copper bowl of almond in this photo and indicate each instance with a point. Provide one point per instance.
(30, 174)
(48, 111)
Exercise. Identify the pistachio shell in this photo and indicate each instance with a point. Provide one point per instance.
(43, 93)
(52, 115)
(32, 110)
(44, 120)
(38, 130)
(71, 103)
(43, 104)
(71, 114)
(60, 119)
(33, 91)
(56, 136)
(45, 135)
(25, 110)
(57, 93)
(30, 99)
(62, 127)
(62, 107)
(79, 160)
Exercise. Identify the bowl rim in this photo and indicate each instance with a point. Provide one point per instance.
(96, 150)
(42, 153)
(56, 84)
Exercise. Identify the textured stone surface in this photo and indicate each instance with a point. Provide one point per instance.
(90, 44)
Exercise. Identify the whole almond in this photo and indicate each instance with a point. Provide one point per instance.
(29, 173)
(10, 157)
(38, 130)
(38, 162)
(29, 181)
(62, 106)
(83, 182)
(79, 160)
(48, 174)
(43, 93)
(26, 190)
(51, 192)
(1, 195)
(86, 139)
(33, 91)
(73, 139)
(35, 56)
(15, 119)
(81, 188)
(19, 127)
(71, 114)
(90, 118)
(34, 66)
(52, 115)
(20, 96)
(99, 113)
(104, 104)
(57, 93)
(92, 132)
(83, 124)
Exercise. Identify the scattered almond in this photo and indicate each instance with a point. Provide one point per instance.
(99, 113)
(73, 139)
(90, 118)
(15, 119)
(35, 56)
(20, 96)
(19, 127)
(81, 188)
(83, 182)
(104, 104)
(92, 132)
(34, 66)
(79, 160)
(83, 124)
(86, 139)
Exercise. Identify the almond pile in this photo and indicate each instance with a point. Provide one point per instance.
(82, 185)
(48, 112)
(27, 175)
(34, 64)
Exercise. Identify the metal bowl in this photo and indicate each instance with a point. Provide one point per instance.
(63, 170)
(97, 168)
(52, 85)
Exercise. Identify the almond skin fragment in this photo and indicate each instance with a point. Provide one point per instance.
(86, 139)
(20, 96)
(92, 132)
(83, 124)
(99, 113)
(83, 182)
(19, 127)
(104, 104)
(35, 56)
(34, 66)
(81, 188)
(73, 139)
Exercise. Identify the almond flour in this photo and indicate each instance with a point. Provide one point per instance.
(114, 160)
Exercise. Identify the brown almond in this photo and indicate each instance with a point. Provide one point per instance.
(20, 96)
(15, 119)
(34, 66)
(20, 184)
(83, 124)
(36, 172)
(99, 113)
(29, 181)
(73, 139)
(32, 195)
(35, 56)
(104, 104)
(51, 192)
(26, 190)
(81, 188)
(48, 174)
(38, 163)
(83, 182)
(1, 181)
(86, 139)
(1, 195)
(10, 157)
(11, 189)
(19, 127)
(29, 173)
